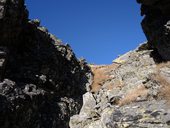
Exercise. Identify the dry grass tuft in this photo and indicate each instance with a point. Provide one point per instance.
(99, 78)
(101, 75)
(165, 89)
(161, 65)
(164, 92)
(116, 84)
(165, 85)
(133, 95)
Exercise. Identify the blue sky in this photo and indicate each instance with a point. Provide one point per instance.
(97, 30)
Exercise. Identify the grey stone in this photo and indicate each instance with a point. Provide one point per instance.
(89, 103)
(136, 70)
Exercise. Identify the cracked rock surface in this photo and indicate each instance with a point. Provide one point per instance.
(128, 95)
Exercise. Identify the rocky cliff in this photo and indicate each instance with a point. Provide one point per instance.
(156, 25)
(42, 82)
(41, 79)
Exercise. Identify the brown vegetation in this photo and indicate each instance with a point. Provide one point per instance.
(116, 84)
(164, 92)
(101, 75)
(163, 81)
(133, 95)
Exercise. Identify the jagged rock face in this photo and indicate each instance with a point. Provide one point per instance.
(41, 79)
(156, 25)
(15, 16)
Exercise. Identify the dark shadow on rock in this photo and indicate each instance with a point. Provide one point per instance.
(157, 57)
(42, 80)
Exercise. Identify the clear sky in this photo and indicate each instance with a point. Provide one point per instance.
(97, 30)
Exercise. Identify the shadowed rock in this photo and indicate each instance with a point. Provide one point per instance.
(156, 25)
(42, 80)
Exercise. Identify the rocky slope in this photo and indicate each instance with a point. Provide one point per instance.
(41, 79)
(134, 91)
(127, 94)
(42, 82)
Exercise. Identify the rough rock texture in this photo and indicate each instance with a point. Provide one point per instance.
(41, 80)
(134, 91)
(156, 25)
(129, 95)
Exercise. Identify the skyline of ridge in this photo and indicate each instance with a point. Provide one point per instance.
(97, 30)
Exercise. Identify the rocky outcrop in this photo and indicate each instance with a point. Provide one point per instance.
(41, 79)
(134, 91)
(129, 95)
(42, 82)
(156, 25)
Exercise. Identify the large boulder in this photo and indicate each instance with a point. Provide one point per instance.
(156, 25)
(41, 79)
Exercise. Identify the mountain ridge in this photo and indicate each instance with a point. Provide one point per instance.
(44, 85)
